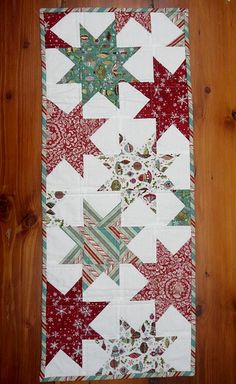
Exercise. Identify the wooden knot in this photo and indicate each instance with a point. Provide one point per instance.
(207, 274)
(234, 305)
(229, 121)
(28, 324)
(234, 115)
(153, 380)
(29, 220)
(25, 44)
(5, 207)
(207, 89)
(8, 95)
(199, 310)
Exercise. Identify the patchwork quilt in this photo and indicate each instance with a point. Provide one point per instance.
(117, 194)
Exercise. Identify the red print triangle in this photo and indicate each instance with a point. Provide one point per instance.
(122, 18)
(51, 39)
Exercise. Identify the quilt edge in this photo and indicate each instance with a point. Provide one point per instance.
(168, 12)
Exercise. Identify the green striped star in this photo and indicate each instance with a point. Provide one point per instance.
(101, 245)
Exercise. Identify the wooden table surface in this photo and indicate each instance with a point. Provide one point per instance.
(213, 62)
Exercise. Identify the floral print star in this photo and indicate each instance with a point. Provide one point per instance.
(137, 351)
(138, 172)
(98, 65)
(169, 280)
(68, 137)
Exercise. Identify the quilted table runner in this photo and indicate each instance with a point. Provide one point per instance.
(117, 194)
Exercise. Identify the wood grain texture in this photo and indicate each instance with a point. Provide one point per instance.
(213, 62)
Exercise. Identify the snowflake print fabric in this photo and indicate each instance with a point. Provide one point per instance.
(117, 195)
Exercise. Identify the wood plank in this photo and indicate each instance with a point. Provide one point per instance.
(213, 54)
(213, 61)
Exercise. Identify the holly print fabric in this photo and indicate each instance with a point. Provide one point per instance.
(117, 195)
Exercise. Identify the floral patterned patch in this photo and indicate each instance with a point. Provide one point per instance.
(98, 65)
(169, 280)
(137, 351)
(138, 172)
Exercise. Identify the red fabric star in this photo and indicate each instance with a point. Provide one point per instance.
(69, 137)
(52, 40)
(169, 280)
(121, 18)
(168, 96)
(67, 322)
